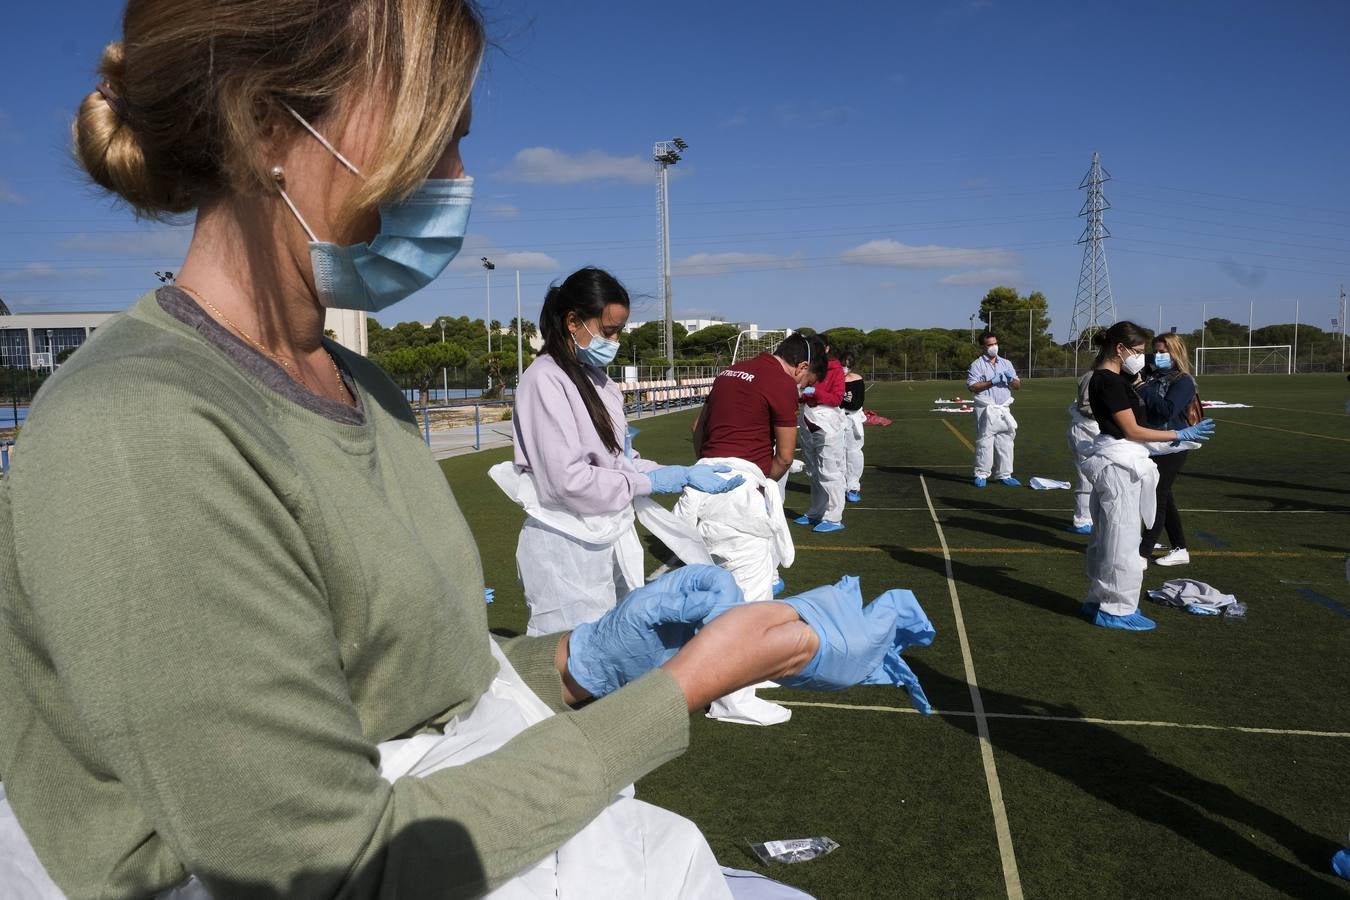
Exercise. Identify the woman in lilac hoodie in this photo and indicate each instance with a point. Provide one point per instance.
(576, 472)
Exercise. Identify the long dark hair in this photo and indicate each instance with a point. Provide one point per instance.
(586, 293)
(1123, 332)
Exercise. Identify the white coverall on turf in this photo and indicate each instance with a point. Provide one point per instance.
(995, 427)
(1124, 485)
(578, 567)
(854, 422)
(1083, 430)
(631, 849)
(823, 453)
(746, 533)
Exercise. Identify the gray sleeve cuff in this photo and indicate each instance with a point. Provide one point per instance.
(637, 728)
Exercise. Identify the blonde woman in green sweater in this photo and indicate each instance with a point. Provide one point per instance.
(235, 627)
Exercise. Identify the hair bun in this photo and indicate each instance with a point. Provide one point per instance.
(1099, 339)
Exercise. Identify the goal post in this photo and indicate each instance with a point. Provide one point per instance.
(1273, 359)
(753, 342)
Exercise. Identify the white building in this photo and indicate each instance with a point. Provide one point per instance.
(34, 340)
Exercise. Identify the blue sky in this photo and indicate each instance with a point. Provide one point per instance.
(863, 163)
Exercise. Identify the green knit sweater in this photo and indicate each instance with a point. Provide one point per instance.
(214, 602)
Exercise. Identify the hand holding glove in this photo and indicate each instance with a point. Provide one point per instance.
(1200, 431)
(648, 627)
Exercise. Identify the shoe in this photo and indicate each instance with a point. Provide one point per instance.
(1010, 481)
(853, 496)
(1178, 557)
(1081, 529)
(980, 482)
(805, 520)
(778, 587)
(828, 527)
(1135, 621)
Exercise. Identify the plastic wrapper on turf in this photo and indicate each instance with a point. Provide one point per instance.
(793, 851)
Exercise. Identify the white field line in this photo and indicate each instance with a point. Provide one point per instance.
(1011, 879)
(1078, 720)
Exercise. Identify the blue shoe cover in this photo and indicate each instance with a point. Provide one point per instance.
(1081, 529)
(778, 587)
(1340, 864)
(853, 497)
(980, 482)
(1089, 609)
(803, 520)
(828, 527)
(1010, 481)
(1135, 621)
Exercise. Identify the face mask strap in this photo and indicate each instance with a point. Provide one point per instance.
(279, 179)
(321, 139)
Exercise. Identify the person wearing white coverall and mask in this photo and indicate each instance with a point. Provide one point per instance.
(280, 682)
(1124, 478)
(855, 419)
(749, 425)
(992, 380)
(576, 473)
(1083, 430)
(820, 426)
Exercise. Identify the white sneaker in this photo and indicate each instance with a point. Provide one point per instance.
(1178, 557)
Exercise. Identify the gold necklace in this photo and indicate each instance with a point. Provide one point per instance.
(287, 367)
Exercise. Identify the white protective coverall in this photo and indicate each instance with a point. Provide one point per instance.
(1124, 484)
(581, 566)
(1083, 430)
(747, 534)
(630, 850)
(823, 453)
(854, 423)
(995, 431)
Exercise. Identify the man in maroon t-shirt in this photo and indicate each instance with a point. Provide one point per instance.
(751, 412)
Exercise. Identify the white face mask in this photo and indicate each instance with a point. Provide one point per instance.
(991, 350)
(1131, 365)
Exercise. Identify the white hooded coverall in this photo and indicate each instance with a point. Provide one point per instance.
(1083, 430)
(854, 423)
(995, 427)
(1124, 484)
(823, 453)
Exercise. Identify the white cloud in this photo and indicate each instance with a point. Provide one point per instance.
(48, 272)
(477, 246)
(525, 261)
(155, 244)
(544, 165)
(722, 263)
(502, 210)
(9, 195)
(929, 256)
(990, 277)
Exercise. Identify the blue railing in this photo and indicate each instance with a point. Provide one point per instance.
(477, 407)
(4, 456)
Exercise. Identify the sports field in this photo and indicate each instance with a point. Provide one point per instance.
(1208, 758)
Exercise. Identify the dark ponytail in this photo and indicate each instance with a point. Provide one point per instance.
(1123, 332)
(586, 293)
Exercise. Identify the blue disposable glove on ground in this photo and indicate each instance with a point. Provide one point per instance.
(648, 627)
(853, 640)
(1200, 431)
(707, 479)
(912, 629)
(668, 479)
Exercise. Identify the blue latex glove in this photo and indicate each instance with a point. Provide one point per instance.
(809, 391)
(668, 479)
(648, 627)
(853, 640)
(489, 594)
(1200, 431)
(707, 479)
(912, 629)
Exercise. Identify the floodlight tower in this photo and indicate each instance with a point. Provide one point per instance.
(488, 266)
(666, 154)
(1094, 307)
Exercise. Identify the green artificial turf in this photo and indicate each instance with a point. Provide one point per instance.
(1109, 808)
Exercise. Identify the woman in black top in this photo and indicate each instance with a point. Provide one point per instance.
(854, 419)
(1123, 478)
(1168, 395)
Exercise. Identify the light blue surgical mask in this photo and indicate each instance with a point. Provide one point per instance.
(1162, 360)
(418, 238)
(600, 352)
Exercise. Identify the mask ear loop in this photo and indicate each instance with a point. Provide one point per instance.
(322, 140)
(279, 179)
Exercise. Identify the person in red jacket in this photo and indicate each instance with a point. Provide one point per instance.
(821, 425)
